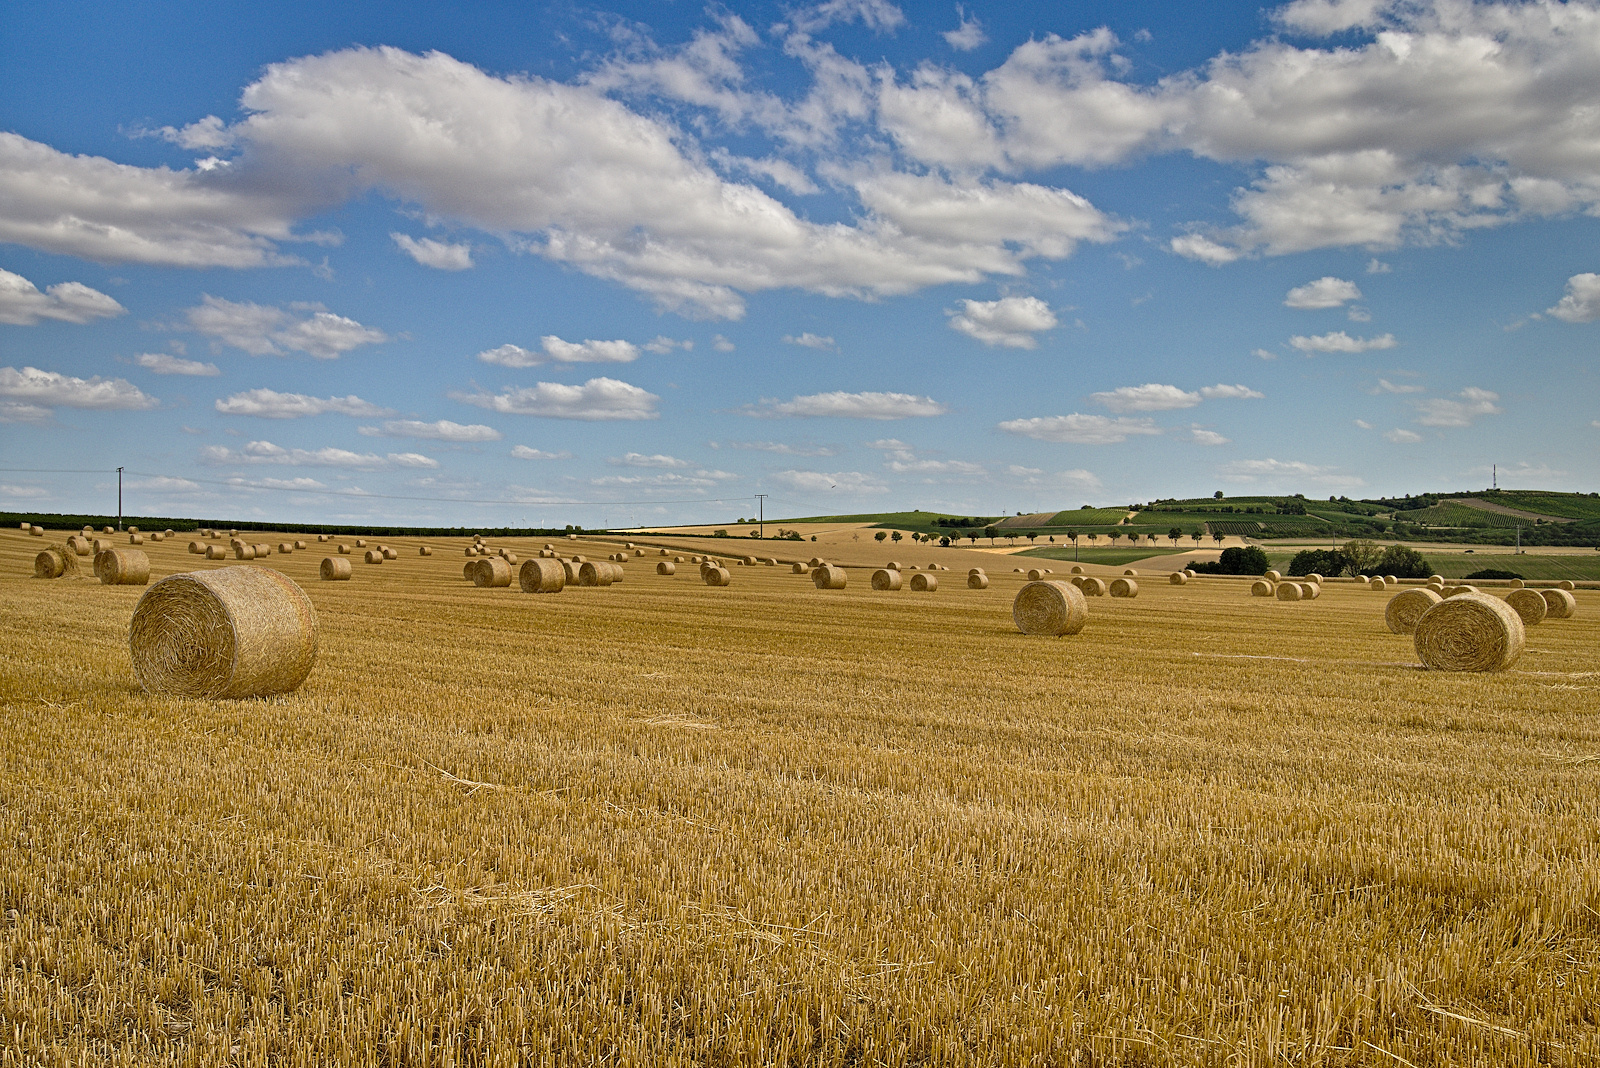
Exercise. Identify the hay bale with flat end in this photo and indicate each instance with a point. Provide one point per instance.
(1261, 588)
(1310, 591)
(886, 578)
(1124, 587)
(892, 565)
(108, 530)
(156, 535)
(263, 550)
(101, 545)
(542, 575)
(55, 561)
(133, 530)
(492, 573)
(231, 632)
(1077, 570)
(482, 550)
(1035, 575)
(37, 532)
(373, 556)
(25, 526)
(79, 545)
(1092, 587)
(468, 551)
(361, 543)
(617, 573)
(1314, 577)
(216, 552)
(1376, 582)
(1177, 578)
(1272, 576)
(285, 548)
(469, 570)
(197, 548)
(976, 571)
(662, 552)
(815, 561)
(1530, 605)
(570, 570)
(979, 581)
(595, 573)
(1472, 632)
(334, 569)
(1406, 608)
(1566, 584)
(423, 550)
(244, 552)
(828, 577)
(1050, 607)
(1131, 572)
(1516, 584)
(1559, 604)
(1288, 591)
(1391, 580)
(716, 576)
(343, 549)
(922, 582)
(324, 537)
(666, 567)
(748, 561)
(299, 543)
(578, 559)
(122, 567)
(798, 568)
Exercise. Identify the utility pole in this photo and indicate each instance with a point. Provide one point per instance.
(761, 513)
(119, 500)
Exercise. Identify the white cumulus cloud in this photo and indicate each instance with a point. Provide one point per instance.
(639, 459)
(1339, 341)
(36, 389)
(162, 363)
(1010, 322)
(1403, 437)
(1582, 301)
(262, 330)
(1466, 407)
(844, 405)
(554, 350)
(1150, 397)
(265, 452)
(440, 255)
(596, 399)
(966, 36)
(810, 341)
(1325, 292)
(270, 404)
(440, 430)
(527, 452)
(22, 304)
(1080, 429)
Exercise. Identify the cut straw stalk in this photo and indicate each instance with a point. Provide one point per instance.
(227, 633)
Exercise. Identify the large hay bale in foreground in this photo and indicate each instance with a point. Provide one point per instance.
(542, 575)
(122, 567)
(980, 581)
(334, 569)
(716, 576)
(1177, 578)
(666, 567)
(1124, 587)
(1261, 588)
(886, 578)
(829, 577)
(1472, 632)
(1050, 607)
(230, 632)
(492, 573)
(1288, 591)
(1529, 605)
(922, 582)
(1559, 604)
(55, 562)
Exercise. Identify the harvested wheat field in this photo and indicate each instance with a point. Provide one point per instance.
(657, 823)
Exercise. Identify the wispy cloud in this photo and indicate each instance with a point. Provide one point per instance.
(270, 404)
(1080, 429)
(1339, 341)
(596, 399)
(841, 405)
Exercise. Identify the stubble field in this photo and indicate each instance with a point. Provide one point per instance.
(662, 823)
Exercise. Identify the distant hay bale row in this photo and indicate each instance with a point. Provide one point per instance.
(1469, 632)
(228, 633)
(122, 567)
(1050, 607)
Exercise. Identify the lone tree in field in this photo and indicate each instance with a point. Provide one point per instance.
(1092, 539)
(972, 538)
(880, 535)
(988, 532)
(1031, 535)
(1198, 537)
(1217, 536)
(1114, 535)
(895, 537)
(1174, 534)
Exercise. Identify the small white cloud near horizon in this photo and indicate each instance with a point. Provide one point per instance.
(263, 330)
(1155, 397)
(35, 391)
(1377, 266)
(22, 304)
(841, 405)
(526, 452)
(639, 459)
(661, 344)
(1582, 301)
(596, 399)
(1386, 386)
(722, 344)
(1472, 404)
(265, 452)
(1403, 437)
(1325, 292)
(1010, 322)
(555, 350)
(781, 448)
(1339, 341)
(442, 430)
(163, 363)
(966, 36)
(440, 255)
(1080, 429)
(1264, 354)
(1202, 436)
(850, 482)
(809, 340)
(270, 404)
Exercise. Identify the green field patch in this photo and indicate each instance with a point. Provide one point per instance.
(1089, 517)
(1450, 514)
(1578, 568)
(1086, 555)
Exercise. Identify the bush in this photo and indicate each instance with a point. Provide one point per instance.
(1327, 562)
(1494, 573)
(1402, 561)
(1249, 560)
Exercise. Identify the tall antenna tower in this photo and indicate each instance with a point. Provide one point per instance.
(1494, 476)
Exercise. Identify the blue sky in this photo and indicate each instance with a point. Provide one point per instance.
(634, 263)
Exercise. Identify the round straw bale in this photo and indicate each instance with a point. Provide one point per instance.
(156, 535)
(570, 570)
(1035, 575)
(263, 550)
(828, 577)
(216, 552)
(976, 571)
(748, 561)
(1124, 587)
(25, 526)
(373, 556)
(677, 559)
(627, 545)
(423, 550)
(666, 567)
(55, 561)
(886, 578)
(361, 543)
(469, 569)
(1131, 572)
(617, 573)
(1076, 570)
(579, 559)
(595, 573)
(492, 572)
(1391, 580)
(572, 537)
(1093, 587)
(507, 555)
(133, 530)
(101, 545)
(334, 569)
(980, 581)
(541, 575)
(122, 567)
(1559, 604)
(80, 545)
(285, 548)
(1261, 588)
(229, 632)
(638, 552)
(1272, 576)
(299, 544)
(1472, 632)
(1566, 584)
(1310, 590)
(244, 552)
(198, 548)
(716, 576)
(1016, 571)
(1288, 591)
(482, 550)
(1314, 577)
(661, 552)
(108, 530)
(816, 561)
(922, 582)
(323, 537)
(1405, 608)
(1439, 579)
(798, 568)
(1177, 578)
(1528, 604)
(344, 549)
(770, 561)
(1376, 582)
(892, 565)
(468, 551)
(1050, 607)
(1516, 584)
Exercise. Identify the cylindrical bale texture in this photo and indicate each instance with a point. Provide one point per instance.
(492, 573)
(343, 548)
(216, 552)
(597, 573)
(1559, 604)
(1177, 578)
(1035, 575)
(798, 568)
(886, 578)
(1124, 587)
(1130, 572)
(334, 569)
(1272, 576)
(122, 567)
(54, 562)
(1376, 583)
(1289, 591)
(541, 575)
(979, 581)
(373, 556)
(1261, 588)
(230, 632)
(198, 548)
(80, 545)
(285, 548)
(666, 567)
(1092, 587)
(1472, 632)
(423, 550)
(394, 554)
(299, 543)
(922, 582)
(1530, 605)
(828, 577)
(1050, 607)
(716, 576)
